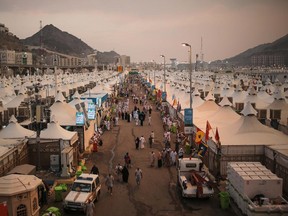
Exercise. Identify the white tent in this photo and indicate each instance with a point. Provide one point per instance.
(9, 142)
(55, 131)
(15, 102)
(280, 104)
(249, 131)
(64, 113)
(15, 130)
(224, 115)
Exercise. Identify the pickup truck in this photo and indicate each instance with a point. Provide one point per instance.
(85, 187)
(193, 182)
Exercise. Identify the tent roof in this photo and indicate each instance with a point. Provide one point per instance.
(9, 142)
(55, 131)
(64, 113)
(15, 184)
(208, 105)
(248, 110)
(249, 131)
(15, 102)
(225, 102)
(15, 130)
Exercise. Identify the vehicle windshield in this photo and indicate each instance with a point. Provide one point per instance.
(81, 187)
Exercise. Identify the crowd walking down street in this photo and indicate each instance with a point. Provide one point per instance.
(137, 162)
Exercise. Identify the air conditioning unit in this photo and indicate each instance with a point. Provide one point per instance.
(55, 163)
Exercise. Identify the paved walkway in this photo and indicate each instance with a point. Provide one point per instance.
(157, 195)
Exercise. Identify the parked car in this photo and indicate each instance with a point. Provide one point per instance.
(85, 187)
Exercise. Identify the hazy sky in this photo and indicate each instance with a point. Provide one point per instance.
(145, 29)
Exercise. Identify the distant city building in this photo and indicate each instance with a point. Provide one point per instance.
(23, 58)
(7, 56)
(173, 63)
(268, 60)
(11, 57)
(62, 60)
(124, 60)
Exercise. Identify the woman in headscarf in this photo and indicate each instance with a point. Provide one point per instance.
(125, 174)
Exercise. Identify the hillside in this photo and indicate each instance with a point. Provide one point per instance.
(56, 40)
(10, 42)
(62, 42)
(278, 47)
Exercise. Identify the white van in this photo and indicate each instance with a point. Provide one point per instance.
(85, 187)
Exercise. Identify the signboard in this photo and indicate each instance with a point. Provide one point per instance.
(188, 130)
(91, 111)
(153, 87)
(164, 95)
(188, 117)
(80, 120)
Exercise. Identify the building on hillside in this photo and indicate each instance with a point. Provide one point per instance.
(23, 58)
(7, 56)
(268, 60)
(63, 60)
(12, 57)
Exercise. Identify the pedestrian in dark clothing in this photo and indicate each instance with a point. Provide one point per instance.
(150, 141)
(128, 117)
(141, 118)
(150, 110)
(123, 115)
(137, 141)
(159, 159)
(94, 170)
(125, 174)
(177, 146)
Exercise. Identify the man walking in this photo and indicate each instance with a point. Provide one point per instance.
(109, 183)
(138, 175)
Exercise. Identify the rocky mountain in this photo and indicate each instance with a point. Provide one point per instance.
(54, 39)
(276, 48)
(59, 41)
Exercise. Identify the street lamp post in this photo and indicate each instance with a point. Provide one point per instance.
(163, 56)
(190, 76)
(190, 70)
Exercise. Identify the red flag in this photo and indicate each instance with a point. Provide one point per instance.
(217, 138)
(208, 128)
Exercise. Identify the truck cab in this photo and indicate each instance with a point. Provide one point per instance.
(192, 181)
(85, 187)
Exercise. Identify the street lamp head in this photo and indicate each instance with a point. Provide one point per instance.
(186, 44)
